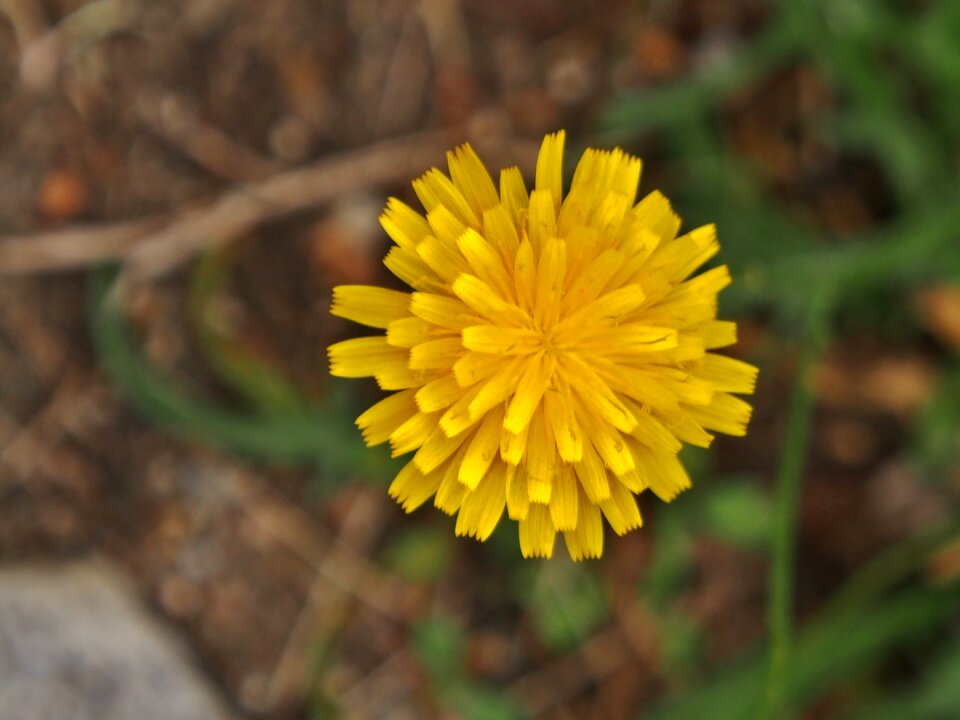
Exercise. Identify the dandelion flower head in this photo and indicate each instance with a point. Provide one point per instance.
(555, 353)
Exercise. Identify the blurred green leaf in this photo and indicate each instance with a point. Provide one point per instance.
(829, 651)
(739, 512)
(439, 643)
(681, 646)
(474, 701)
(936, 432)
(263, 384)
(935, 696)
(672, 561)
(566, 601)
(324, 435)
(637, 112)
(421, 552)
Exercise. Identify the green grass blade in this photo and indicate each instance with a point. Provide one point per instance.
(323, 435)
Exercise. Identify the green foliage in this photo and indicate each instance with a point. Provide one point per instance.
(935, 696)
(439, 643)
(875, 56)
(681, 646)
(731, 509)
(894, 70)
(936, 442)
(262, 384)
(830, 650)
(322, 435)
(566, 600)
(739, 513)
(421, 552)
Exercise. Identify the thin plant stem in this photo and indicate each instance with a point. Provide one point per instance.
(789, 481)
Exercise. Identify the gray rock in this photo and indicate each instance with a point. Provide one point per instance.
(76, 644)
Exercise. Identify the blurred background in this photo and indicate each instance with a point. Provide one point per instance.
(189, 525)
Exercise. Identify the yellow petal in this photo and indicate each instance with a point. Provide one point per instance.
(472, 179)
(486, 263)
(541, 459)
(457, 418)
(438, 394)
(404, 225)
(451, 492)
(441, 310)
(373, 306)
(586, 539)
(564, 499)
(537, 533)
(436, 189)
(436, 354)
(664, 473)
(361, 357)
(411, 488)
(412, 434)
(396, 375)
(525, 275)
(437, 449)
(550, 276)
(590, 283)
(726, 413)
(595, 396)
(482, 299)
(650, 432)
(541, 220)
(654, 212)
(501, 340)
(445, 226)
(518, 502)
(482, 508)
(513, 192)
(497, 389)
(558, 407)
(621, 510)
(380, 420)
(409, 331)
(407, 265)
(482, 450)
(539, 490)
(611, 446)
(501, 230)
(445, 259)
(530, 388)
(727, 374)
(513, 446)
(592, 475)
(717, 333)
(688, 430)
(550, 167)
(474, 367)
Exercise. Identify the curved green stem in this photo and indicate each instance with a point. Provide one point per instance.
(789, 480)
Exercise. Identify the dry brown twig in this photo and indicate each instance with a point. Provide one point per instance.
(27, 18)
(152, 248)
(73, 248)
(172, 119)
(247, 206)
(323, 609)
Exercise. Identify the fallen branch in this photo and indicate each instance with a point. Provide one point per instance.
(73, 248)
(242, 209)
(153, 247)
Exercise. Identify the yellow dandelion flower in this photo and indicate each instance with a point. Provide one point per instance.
(554, 354)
